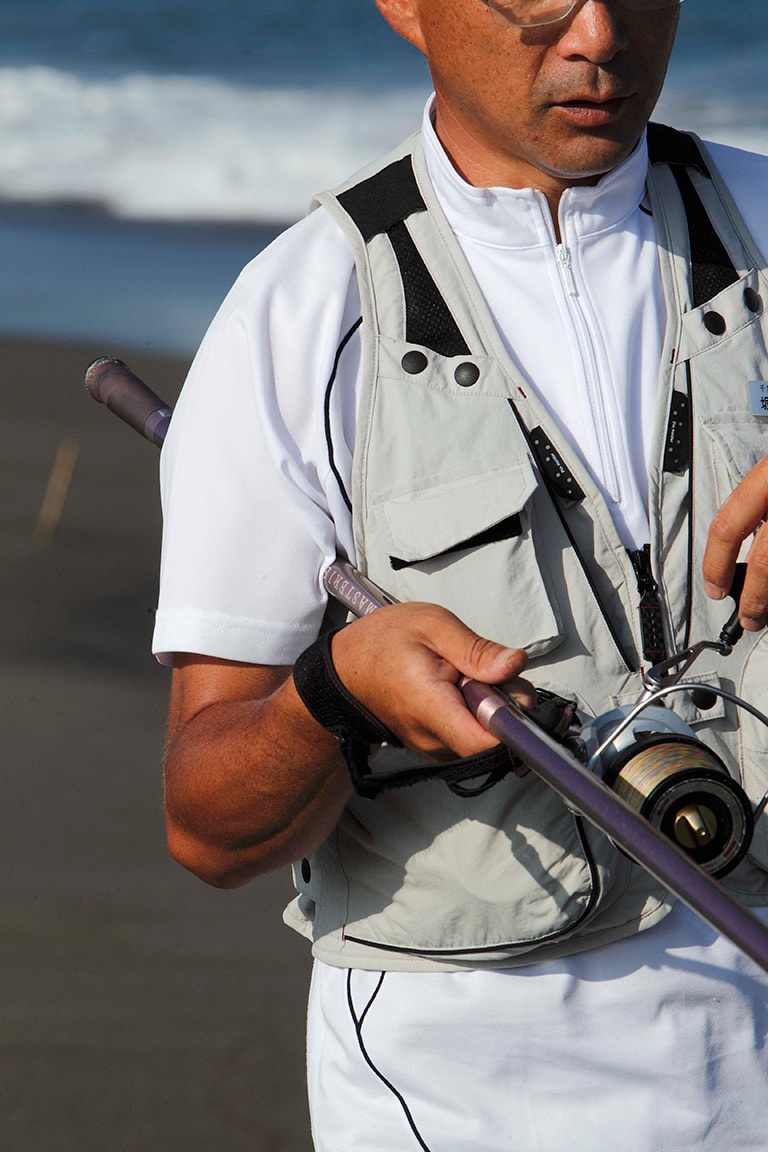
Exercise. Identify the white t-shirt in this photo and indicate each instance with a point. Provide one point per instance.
(254, 510)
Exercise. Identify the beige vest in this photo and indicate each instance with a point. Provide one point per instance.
(458, 499)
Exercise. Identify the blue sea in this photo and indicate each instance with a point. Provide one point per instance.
(148, 150)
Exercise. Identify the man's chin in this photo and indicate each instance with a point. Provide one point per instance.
(590, 159)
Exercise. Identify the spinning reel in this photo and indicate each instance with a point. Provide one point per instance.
(654, 761)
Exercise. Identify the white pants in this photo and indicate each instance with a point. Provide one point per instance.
(657, 1042)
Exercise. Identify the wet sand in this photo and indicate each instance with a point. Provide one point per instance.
(139, 1009)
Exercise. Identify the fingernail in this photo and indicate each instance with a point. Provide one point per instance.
(749, 624)
(714, 591)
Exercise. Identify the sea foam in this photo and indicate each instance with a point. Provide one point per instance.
(188, 148)
(192, 148)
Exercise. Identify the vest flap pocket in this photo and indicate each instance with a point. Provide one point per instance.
(736, 446)
(474, 545)
(725, 316)
(502, 872)
(458, 514)
(753, 688)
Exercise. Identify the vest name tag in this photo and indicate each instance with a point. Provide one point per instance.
(758, 397)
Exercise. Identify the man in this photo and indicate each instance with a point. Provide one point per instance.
(493, 439)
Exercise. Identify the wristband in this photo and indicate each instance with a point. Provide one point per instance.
(335, 709)
(356, 729)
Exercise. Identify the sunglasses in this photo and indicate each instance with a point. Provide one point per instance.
(535, 13)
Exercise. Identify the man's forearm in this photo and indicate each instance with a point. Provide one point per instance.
(253, 782)
(251, 785)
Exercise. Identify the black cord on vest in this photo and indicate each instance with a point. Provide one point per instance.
(328, 388)
(358, 1022)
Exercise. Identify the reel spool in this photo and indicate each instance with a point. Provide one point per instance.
(678, 784)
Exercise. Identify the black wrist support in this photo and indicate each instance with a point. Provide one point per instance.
(328, 701)
(356, 729)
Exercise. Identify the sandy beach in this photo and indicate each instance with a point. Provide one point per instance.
(140, 1009)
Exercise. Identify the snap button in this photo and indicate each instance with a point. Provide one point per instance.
(704, 699)
(466, 375)
(714, 323)
(753, 300)
(414, 362)
(306, 870)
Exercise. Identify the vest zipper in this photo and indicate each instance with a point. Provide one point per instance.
(650, 610)
(629, 663)
(690, 510)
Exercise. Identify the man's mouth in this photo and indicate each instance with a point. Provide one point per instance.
(593, 110)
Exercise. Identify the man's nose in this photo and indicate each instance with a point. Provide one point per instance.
(595, 31)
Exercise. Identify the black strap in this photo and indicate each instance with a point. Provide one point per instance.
(552, 713)
(712, 269)
(428, 320)
(328, 701)
(671, 146)
(384, 199)
(380, 205)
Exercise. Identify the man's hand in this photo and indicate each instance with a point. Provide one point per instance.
(743, 513)
(253, 782)
(405, 663)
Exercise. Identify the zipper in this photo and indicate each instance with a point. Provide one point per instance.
(678, 460)
(566, 269)
(629, 663)
(590, 370)
(649, 607)
(690, 510)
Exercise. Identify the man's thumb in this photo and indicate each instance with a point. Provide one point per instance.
(490, 662)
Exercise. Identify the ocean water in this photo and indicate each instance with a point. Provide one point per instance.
(153, 147)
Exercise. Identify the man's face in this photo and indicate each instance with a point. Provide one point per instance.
(539, 107)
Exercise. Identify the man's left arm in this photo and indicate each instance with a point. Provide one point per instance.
(743, 514)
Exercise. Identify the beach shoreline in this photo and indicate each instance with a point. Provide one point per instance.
(78, 275)
(141, 1009)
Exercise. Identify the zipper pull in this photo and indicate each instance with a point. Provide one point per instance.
(651, 619)
(566, 271)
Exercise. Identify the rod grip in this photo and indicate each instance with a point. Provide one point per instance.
(112, 383)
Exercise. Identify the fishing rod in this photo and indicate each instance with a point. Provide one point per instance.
(662, 796)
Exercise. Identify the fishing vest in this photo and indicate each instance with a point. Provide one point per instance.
(464, 495)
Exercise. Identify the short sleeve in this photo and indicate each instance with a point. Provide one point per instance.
(255, 468)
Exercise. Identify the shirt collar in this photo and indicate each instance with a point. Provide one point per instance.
(519, 217)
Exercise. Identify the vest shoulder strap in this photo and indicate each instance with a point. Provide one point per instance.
(380, 201)
(670, 146)
(380, 205)
(712, 269)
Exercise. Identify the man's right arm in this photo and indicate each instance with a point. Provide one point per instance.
(253, 782)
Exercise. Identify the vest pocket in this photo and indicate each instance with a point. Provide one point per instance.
(463, 543)
(754, 741)
(735, 447)
(498, 874)
(729, 447)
